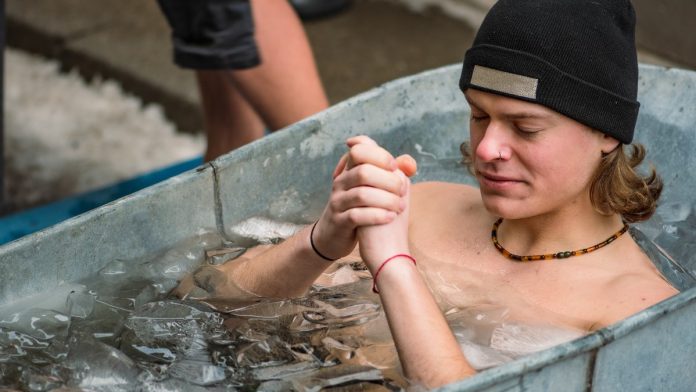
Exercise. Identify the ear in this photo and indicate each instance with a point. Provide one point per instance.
(609, 144)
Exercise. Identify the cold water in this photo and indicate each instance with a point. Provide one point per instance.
(122, 330)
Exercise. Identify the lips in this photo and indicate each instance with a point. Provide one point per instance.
(496, 181)
(496, 177)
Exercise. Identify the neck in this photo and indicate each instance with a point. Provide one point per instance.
(557, 231)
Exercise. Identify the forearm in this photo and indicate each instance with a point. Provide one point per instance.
(285, 270)
(428, 350)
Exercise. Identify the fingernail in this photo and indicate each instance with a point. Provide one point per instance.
(391, 215)
(402, 205)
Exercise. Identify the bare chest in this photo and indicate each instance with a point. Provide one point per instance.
(468, 272)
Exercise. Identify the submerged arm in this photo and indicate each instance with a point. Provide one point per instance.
(428, 350)
(366, 191)
(429, 353)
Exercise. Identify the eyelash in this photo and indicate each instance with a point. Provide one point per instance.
(524, 132)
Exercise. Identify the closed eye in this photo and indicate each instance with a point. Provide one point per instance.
(475, 118)
(526, 131)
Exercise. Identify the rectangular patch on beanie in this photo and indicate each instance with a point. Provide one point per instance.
(504, 82)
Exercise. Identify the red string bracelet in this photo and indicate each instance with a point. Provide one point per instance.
(374, 279)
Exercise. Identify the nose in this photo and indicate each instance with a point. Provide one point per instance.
(492, 144)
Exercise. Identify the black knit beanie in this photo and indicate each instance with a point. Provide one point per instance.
(577, 57)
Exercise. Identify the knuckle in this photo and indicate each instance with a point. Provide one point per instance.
(361, 195)
(334, 203)
(396, 203)
(355, 153)
(363, 174)
(353, 217)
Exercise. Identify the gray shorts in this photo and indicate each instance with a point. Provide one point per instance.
(212, 34)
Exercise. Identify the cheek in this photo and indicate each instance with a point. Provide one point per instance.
(572, 170)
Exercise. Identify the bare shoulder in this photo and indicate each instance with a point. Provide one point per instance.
(431, 191)
(443, 201)
(632, 293)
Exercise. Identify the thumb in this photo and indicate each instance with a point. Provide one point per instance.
(340, 166)
(407, 165)
(406, 184)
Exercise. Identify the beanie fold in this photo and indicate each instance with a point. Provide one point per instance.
(521, 75)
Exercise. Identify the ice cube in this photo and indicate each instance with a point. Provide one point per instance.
(97, 366)
(197, 372)
(265, 230)
(80, 304)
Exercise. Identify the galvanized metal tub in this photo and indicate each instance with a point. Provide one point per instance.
(286, 176)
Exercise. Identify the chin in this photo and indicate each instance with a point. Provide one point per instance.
(504, 207)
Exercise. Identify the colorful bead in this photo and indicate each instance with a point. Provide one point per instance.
(559, 255)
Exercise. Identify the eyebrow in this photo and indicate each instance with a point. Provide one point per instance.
(513, 116)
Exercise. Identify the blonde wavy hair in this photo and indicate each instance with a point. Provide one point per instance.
(616, 187)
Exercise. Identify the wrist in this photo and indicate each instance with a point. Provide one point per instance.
(374, 258)
(391, 261)
(330, 246)
(313, 244)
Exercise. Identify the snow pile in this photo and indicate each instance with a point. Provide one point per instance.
(64, 136)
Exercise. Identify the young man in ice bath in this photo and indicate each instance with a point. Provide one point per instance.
(552, 90)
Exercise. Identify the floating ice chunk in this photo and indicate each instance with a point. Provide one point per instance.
(481, 357)
(54, 299)
(515, 339)
(352, 312)
(674, 211)
(222, 256)
(284, 371)
(343, 275)
(40, 382)
(337, 375)
(197, 372)
(268, 352)
(174, 264)
(154, 292)
(265, 230)
(269, 310)
(166, 330)
(171, 385)
(114, 268)
(181, 259)
(41, 324)
(97, 366)
(275, 386)
(80, 304)
(104, 323)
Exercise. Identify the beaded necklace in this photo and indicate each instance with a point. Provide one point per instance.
(550, 256)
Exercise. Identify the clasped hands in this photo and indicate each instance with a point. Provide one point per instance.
(369, 204)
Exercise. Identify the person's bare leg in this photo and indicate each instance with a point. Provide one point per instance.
(286, 87)
(230, 121)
